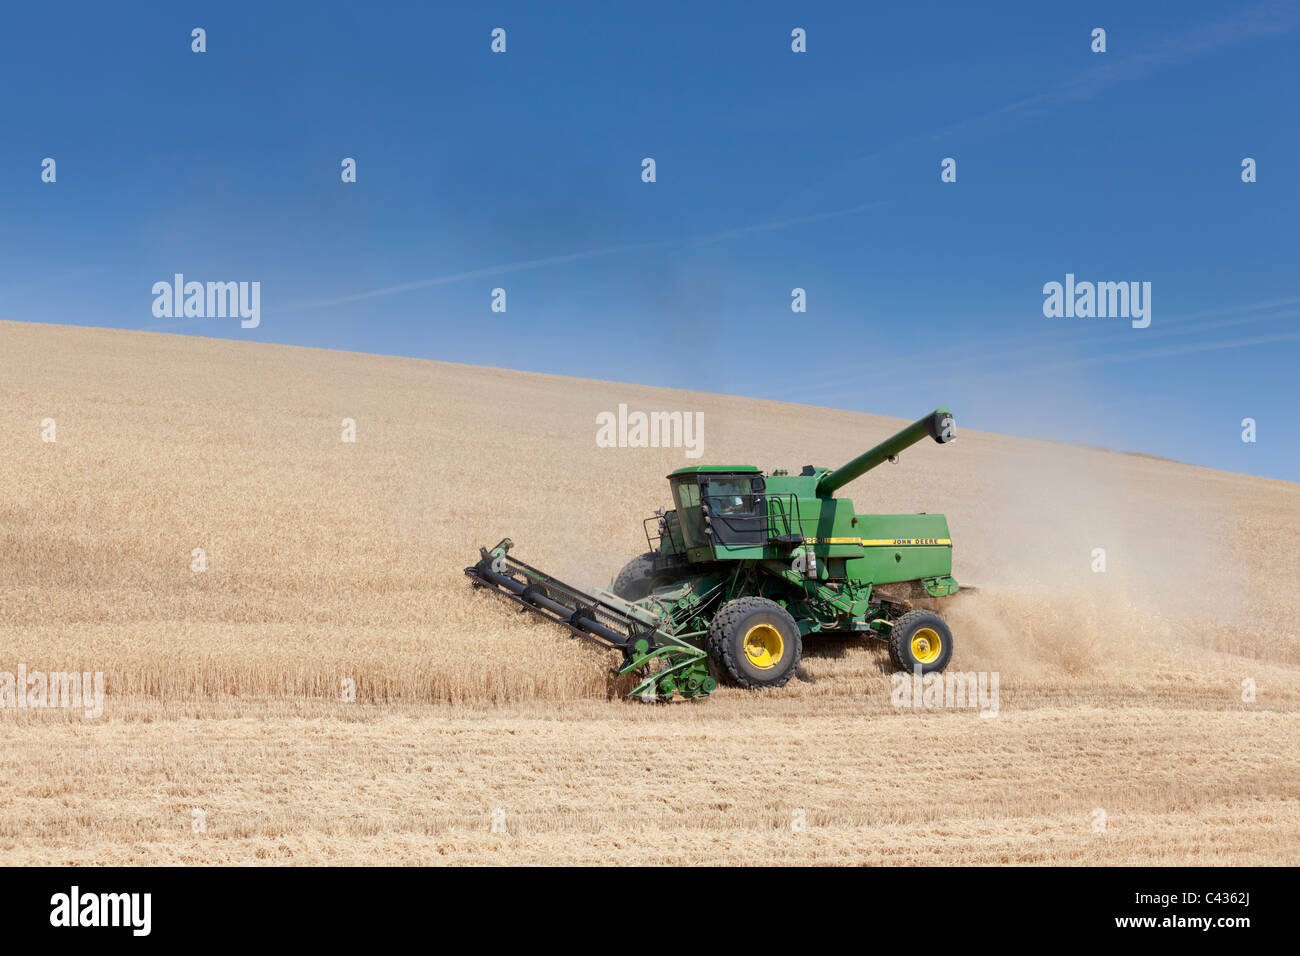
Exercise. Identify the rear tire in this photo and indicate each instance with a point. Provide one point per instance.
(920, 639)
(755, 643)
(637, 579)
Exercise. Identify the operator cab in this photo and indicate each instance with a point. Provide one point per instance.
(721, 506)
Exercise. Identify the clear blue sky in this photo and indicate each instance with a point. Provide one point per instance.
(775, 170)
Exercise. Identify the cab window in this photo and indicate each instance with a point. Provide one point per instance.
(730, 496)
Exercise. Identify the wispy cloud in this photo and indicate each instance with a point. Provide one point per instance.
(582, 256)
(1140, 354)
(1111, 71)
(958, 365)
(996, 353)
(1096, 334)
(979, 349)
(1261, 21)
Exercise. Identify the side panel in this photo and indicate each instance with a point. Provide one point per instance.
(902, 548)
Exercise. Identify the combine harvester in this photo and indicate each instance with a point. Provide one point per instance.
(746, 565)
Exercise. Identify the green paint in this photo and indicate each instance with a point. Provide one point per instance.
(734, 531)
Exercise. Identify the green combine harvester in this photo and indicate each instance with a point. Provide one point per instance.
(745, 566)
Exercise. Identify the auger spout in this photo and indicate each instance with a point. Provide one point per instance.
(937, 425)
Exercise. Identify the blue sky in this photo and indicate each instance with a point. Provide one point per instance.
(775, 170)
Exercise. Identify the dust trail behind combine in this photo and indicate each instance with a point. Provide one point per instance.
(1095, 561)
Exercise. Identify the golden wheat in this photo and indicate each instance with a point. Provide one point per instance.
(330, 562)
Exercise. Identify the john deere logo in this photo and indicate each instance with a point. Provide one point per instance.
(879, 542)
(904, 542)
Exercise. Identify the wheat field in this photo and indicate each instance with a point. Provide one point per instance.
(1124, 734)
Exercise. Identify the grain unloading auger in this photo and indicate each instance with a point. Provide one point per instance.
(746, 565)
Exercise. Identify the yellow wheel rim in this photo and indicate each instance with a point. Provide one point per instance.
(926, 646)
(764, 646)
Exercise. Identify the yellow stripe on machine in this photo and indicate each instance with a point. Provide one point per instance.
(881, 542)
(903, 542)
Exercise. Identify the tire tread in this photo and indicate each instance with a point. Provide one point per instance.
(723, 651)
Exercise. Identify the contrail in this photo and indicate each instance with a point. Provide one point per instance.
(1265, 20)
(962, 351)
(999, 355)
(577, 257)
(1261, 21)
(1162, 353)
(1095, 334)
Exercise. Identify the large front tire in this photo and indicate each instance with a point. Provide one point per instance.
(637, 579)
(920, 640)
(755, 643)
